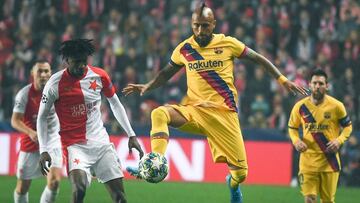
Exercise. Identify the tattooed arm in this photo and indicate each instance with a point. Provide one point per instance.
(270, 68)
(160, 79)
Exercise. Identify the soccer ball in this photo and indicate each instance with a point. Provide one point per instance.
(153, 167)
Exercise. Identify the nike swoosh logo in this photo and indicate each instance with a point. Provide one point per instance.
(306, 116)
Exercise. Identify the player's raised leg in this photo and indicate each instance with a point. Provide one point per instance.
(237, 175)
(161, 118)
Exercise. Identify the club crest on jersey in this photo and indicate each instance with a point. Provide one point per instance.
(44, 99)
(93, 85)
(327, 115)
(218, 50)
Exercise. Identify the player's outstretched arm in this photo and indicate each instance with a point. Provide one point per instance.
(121, 116)
(161, 78)
(269, 67)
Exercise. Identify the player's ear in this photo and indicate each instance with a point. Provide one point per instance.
(33, 70)
(214, 24)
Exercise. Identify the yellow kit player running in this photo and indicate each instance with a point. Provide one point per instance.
(325, 126)
(211, 106)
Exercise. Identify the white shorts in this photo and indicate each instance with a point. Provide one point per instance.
(28, 163)
(96, 159)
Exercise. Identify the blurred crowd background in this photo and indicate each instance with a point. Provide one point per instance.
(134, 40)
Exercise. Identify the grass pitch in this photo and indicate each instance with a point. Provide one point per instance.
(174, 192)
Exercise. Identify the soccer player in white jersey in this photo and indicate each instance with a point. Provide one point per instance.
(23, 119)
(76, 94)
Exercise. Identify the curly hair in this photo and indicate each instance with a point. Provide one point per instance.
(77, 48)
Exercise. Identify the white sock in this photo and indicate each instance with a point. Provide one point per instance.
(48, 196)
(18, 198)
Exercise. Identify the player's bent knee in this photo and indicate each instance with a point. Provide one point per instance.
(53, 184)
(239, 175)
(160, 114)
(22, 186)
(160, 119)
(310, 198)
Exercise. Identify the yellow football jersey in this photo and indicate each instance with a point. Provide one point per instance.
(209, 70)
(320, 124)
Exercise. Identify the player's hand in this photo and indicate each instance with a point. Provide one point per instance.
(300, 146)
(131, 88)
(295, 89)
(33, 136)
(45, 163)
(133, 143)
(333, 146)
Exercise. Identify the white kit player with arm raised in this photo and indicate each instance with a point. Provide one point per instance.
(24, 120)
(76, 94)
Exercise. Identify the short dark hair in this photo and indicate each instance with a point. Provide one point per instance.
(318, 72)
(77, 48)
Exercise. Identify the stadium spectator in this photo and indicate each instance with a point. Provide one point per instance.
(352, 164)
(24, 120)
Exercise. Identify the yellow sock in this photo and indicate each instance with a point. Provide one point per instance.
(160, 119)
(237, 176)
(159, 145)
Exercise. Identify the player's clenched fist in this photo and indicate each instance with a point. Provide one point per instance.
(45, 163)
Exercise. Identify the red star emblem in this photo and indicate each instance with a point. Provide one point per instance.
(93, 85)
(77, 161)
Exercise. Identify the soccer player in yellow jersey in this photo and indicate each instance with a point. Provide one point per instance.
(211, 105)
(325, 126)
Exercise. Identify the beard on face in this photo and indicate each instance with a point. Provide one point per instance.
(318, 95)
(77, 72)
(203, 40)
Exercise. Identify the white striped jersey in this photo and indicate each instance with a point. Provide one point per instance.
(77, 103)
(27, 102)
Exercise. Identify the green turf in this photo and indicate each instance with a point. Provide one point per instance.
(175, 192)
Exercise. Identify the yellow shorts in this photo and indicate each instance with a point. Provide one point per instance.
(222, 129)
(322, 183)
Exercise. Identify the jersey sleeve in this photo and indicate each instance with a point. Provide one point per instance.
(175, 58)
(237, 47)
(49, 96)
(108, 88)
(344, 119)
(295, 119)
(20, 101)
(294, 124)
